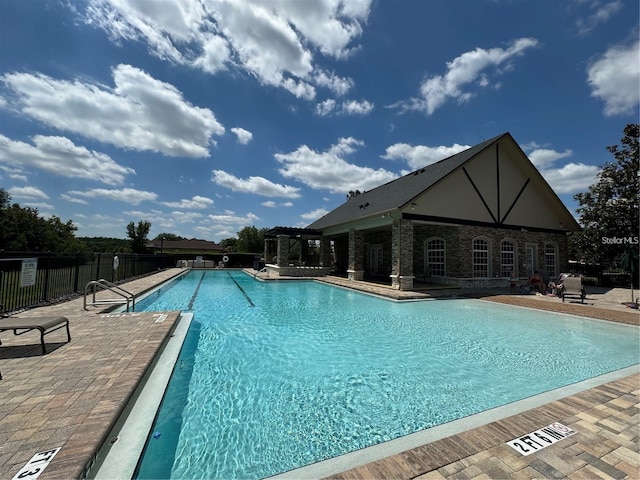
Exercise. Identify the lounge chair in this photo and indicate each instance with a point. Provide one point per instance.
(45, 325)
(572, 287)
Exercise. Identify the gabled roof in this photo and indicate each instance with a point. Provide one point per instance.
(192, 244)
(399, 192)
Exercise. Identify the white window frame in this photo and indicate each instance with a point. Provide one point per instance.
(481, 269)
(441, 267)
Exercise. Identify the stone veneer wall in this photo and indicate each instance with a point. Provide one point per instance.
(459, 255)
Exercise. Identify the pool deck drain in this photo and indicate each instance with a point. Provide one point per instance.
(72, 397)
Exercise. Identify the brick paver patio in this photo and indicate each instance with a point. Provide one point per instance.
(72, 396)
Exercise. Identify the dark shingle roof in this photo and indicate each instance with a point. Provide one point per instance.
(398, 192)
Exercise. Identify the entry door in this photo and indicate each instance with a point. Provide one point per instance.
(531, 253)
(375, 259)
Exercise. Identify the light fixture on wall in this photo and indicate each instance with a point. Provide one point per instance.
(413, 205)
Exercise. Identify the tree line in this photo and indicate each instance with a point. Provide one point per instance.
(608, 211)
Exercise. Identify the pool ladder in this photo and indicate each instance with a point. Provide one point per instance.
(102, 284)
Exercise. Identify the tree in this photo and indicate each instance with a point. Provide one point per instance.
(251, 240)
(609, 211)
(168, 236)
(23, 229)
(229, 244)
(138, 236)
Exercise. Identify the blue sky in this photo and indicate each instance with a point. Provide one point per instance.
(203, 117)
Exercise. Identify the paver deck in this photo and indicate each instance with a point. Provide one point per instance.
(72, 396)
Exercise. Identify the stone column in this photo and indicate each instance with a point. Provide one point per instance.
(402, 254)
(356, 255)
(283, 250)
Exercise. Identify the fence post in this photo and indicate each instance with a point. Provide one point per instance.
(98, 267)
(46, 277)
(76, 275)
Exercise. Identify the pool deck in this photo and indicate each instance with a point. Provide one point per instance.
(72, 396)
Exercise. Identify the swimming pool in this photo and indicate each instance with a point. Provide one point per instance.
(278, 375)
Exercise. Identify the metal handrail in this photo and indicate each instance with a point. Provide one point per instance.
(112, 287)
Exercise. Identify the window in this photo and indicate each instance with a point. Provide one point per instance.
(507, 258)
(480, 258)
(434, 256)
(550, 259)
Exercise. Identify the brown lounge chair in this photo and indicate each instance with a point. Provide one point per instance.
(45, 325)
(572, 287)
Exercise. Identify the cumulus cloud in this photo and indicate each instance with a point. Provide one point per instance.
(257, 185)
(314, 214)
(469, 68)
(231, 219)
(60, 156)
(544, 157)
(27, 193)
(195, 203)
(329, 170)
(139, 112)
(273, 41)
(568, 178)
(244, 136)
(339, 86)
(348, 107)
(614, 78)
(127, 195)
(420, 155)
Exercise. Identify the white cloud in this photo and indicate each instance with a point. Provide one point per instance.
(543, 157)
(274, 41)
(339, 86)
(196, 202)
(60, 156)
(127, 195)
(348, 107)
(27, 193)
(326, 107)
(569, 178)
(329, 170)
(139, 113)
(244, 136)
(602, 11)
(353, 107)
(269, 204)
(256, 185)
(314, 214)
(230, 219)
(466, 69)
(614, 78)
(420, 155)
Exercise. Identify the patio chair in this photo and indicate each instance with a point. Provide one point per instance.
(44, 325)
(572, 287)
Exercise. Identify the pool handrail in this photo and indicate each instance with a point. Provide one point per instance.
(107, 285)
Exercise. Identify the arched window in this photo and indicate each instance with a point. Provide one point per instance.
(435, 256)
(507, 258)
(480, 257)
(551, 259)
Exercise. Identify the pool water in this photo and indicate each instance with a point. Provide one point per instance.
(277, 375)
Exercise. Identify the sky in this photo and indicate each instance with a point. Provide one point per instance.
(203, 117)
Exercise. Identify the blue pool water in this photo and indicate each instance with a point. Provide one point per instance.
(277, 375)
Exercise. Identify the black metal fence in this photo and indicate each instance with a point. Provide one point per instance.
(30, 279)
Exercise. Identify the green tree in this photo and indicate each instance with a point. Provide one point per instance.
(251, 240)
(610, 209)
(106, 244)
(168, 236)
(138, 236)
(229, 244)
(23, 229)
